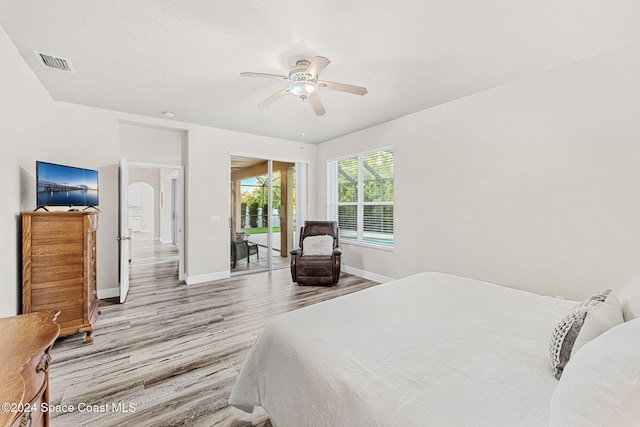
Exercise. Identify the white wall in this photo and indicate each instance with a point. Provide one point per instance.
(531, 184)
(100, 138)
(26, 124)
(34, 127)
(534, 184)
(208, 191)
(163, 144)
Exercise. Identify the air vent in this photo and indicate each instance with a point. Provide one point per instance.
(54, 62)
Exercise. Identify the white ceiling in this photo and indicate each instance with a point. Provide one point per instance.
(148, 56)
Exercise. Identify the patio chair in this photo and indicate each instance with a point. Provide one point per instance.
(241, 248)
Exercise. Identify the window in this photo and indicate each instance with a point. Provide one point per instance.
(361, 197)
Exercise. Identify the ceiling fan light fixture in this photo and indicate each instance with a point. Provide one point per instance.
(305, 84)
(303, 89)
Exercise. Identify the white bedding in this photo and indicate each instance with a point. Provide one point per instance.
(428, 350)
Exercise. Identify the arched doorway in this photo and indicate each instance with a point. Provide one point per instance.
(142, 208)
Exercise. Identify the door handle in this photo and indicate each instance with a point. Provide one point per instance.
(123, 238)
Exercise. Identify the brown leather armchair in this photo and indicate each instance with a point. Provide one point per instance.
(316, 269)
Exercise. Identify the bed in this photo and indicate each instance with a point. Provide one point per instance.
(430, 349)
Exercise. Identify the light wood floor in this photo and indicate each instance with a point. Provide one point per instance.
(174, 351)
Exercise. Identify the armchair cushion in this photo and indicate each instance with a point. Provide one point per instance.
(317, 245)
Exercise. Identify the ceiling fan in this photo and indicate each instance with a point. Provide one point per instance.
(304, 83)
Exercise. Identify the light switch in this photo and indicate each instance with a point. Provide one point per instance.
(214, 218)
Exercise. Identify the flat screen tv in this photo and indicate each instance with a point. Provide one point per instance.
(60, 185)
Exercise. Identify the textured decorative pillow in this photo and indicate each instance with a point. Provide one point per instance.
(586, 321)
(601, 385)
(317, 245)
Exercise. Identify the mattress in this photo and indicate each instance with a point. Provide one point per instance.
(431, 349)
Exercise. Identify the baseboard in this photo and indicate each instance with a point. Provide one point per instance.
(108, 293)
(209, 277)
(366, 274)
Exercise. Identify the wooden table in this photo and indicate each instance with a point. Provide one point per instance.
(25, 342)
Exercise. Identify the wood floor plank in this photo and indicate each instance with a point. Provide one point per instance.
(174, 351)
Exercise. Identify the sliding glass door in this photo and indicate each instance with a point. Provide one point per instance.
(264, 213)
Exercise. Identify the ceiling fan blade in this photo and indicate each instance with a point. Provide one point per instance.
(343, 87)
(273, 98)
(318, 64)
(264, 75)
(317, 106)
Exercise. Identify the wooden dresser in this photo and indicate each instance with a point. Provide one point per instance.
(25, 343)
(59, 267)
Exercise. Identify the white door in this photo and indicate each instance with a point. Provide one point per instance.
(175, 218)
(124, 237)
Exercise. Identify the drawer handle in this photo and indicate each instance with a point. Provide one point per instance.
(26, 419)
(43, 366)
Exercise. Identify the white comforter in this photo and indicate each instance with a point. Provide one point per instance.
(428, 350)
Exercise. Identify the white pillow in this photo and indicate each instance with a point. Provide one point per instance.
(586, 321)
(600, 385)
(317, 245)
(629, 296)
(599, 319)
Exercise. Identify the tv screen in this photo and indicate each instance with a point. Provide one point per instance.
(60, 185)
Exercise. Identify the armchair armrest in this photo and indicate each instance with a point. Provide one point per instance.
(295, 254)
(337, 251)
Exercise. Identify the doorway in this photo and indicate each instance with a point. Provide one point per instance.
(141, 207)
(151, 206)
(265, 207)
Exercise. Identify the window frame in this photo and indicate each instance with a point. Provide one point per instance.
(333, 203)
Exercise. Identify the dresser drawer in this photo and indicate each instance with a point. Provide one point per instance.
(59, 267)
